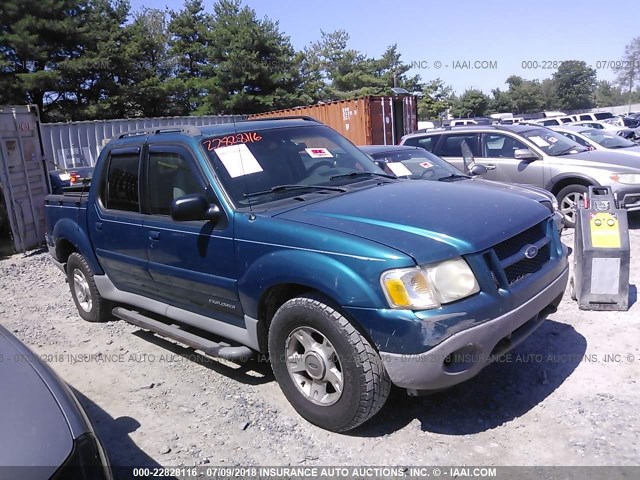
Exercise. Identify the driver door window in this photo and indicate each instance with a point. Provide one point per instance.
(498, 150)
(500, 146)
(170, 177)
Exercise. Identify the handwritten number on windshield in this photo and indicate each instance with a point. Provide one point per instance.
(249, 137)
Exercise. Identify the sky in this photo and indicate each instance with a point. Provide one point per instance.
(468, 44)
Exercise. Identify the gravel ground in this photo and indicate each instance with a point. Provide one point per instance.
(566, 396)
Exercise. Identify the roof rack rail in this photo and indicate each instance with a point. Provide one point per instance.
(187, 129)
(286, 117)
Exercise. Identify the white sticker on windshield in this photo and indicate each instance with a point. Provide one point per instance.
(553, 139)
(539, 141)
(426, 164)
(398, 169)
(318, 153)
(238, 160)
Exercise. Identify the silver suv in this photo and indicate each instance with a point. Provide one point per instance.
(536, 155)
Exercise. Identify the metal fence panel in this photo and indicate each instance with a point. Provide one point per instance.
(76, 144)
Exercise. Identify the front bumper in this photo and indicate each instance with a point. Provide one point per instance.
(464, 354)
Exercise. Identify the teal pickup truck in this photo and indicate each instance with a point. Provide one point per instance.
(281, 237)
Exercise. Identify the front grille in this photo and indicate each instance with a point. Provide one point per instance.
(511, 264)
(514, 244)
(527, 265)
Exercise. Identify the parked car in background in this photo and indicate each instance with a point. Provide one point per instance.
(462, 121)
(553, 121)
(535, 155)
(603, 125)
(61, 179)
(625, 122)
(43, 425)
(417, 164)
(598, 139)
(592, 116)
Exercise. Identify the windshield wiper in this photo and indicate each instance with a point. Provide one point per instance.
(452, 176)
(285, 188)
(570, 151)
(357, 174)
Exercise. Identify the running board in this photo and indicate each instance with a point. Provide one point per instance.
(215, 349)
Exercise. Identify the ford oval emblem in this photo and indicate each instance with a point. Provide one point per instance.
(531, 251)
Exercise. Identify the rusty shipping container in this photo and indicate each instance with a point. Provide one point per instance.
(364, 121)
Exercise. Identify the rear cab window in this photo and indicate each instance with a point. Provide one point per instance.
(121, 191)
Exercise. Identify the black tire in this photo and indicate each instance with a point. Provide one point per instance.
(365, 383)
(91, 306)
(566, 200)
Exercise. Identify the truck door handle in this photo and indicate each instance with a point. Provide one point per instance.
(490, 166)
(154, 235)
(98, 225)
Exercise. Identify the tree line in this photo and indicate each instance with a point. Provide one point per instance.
(96, 59)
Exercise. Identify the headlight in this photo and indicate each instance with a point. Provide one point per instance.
(429, 286)
(626, 178)
(554, 202)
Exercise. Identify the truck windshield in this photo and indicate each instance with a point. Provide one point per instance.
(252, 165)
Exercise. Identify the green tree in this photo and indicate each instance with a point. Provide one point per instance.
(628, 72)
(391, 72)
(526, 95)
(188, 45)
(344, 72)
(90, 82)
(436, 98)
(35, 37)
(150, 66)
(332, 70)
(548, 87)
(501, 101)
(472, 103)
(608, 95)
(575, 84)
(252, 66)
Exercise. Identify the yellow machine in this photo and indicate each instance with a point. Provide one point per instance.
(601, 253)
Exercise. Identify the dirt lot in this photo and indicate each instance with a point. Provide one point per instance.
(569, 395)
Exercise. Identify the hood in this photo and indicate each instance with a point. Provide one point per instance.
(430, 221)
(529, 191)
(635, 151)
(34, 429)
(602, 158)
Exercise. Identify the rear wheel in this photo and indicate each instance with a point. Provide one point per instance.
(328, 371)
(569, 198)
(90, 304)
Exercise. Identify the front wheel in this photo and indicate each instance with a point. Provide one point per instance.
(90, 304)
(328, 371)
(569, 199)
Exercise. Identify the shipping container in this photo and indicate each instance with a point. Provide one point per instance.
(78, 144)
(372, 120)
(23, 179)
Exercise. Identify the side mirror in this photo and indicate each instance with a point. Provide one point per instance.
(193, 207)
(477, 170)
(524, 154)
